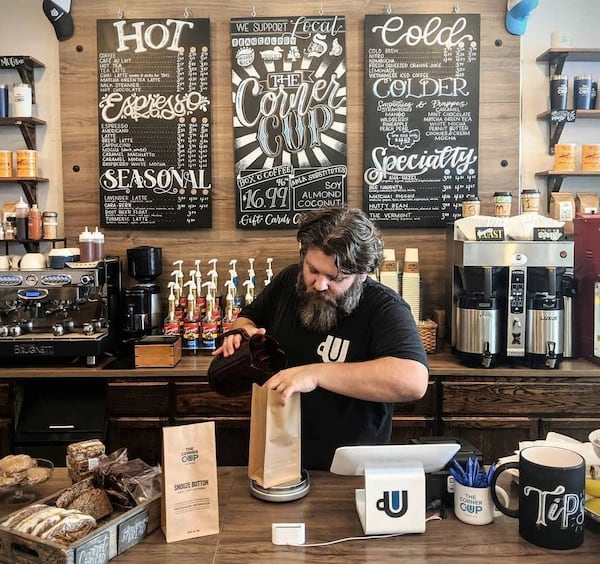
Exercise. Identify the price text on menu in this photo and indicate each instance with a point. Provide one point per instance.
(421, 117)
(289, 117)
(154, 123)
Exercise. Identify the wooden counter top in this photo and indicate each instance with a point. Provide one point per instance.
(329, 514)
(441, 364)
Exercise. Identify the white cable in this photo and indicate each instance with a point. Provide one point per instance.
(364, 537)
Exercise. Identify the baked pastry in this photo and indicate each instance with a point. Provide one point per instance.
(16, 463)
(68, 495)
(70, 528)
(63, 526)
(14, 468)
(83, 450)
(94, 502)
(83, 458)
(16, 518)
(37, 475)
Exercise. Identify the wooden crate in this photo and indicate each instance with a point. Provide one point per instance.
(157, 351)
(114, 535)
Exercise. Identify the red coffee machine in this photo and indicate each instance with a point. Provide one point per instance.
(587, 273)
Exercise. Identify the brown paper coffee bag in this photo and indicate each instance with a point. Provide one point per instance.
(562, 207)
(190, 501)
(274, 457)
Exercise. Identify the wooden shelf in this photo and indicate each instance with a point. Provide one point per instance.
(28, 184)
(24, 66)
(27, 126)
(554, 179)
(558, 118)
(558, 57)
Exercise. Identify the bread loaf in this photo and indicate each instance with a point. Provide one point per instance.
(94, 502)
(67, 496)
(70, 528)
(63, 526)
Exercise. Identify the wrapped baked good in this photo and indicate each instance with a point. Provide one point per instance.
(60, 525)
(70, 528)
(83, 458)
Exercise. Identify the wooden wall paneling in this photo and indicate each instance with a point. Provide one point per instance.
(499, 131)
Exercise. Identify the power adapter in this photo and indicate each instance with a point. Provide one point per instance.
(288, 533)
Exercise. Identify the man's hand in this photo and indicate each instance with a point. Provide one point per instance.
(233, 342)
(295, 379)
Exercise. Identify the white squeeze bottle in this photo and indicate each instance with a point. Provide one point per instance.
(98, 245)
(86, 246)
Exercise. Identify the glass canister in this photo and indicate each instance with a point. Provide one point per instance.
(530, 201)
(470, 205)
(502, 204)
(50, 225)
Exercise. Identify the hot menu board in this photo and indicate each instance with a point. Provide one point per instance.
(289, 117)
(154, 123)
(421, 117)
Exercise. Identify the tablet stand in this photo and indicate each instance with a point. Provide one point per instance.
(393, 500)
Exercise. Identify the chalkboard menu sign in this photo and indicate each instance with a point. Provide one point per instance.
(154, 123)
(421, 117)
(289, 117)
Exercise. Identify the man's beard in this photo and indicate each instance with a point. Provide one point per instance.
(320, 311)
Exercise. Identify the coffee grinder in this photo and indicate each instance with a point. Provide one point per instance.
(141, 302)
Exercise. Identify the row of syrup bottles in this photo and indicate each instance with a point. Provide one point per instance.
(195, 309)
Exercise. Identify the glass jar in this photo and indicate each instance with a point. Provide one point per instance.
(49, 225)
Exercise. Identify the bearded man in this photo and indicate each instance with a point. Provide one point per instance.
(352, 344)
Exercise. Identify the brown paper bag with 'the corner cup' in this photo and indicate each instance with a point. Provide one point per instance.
(190, 501)
(274, 457)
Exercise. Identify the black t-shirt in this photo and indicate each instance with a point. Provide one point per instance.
(381, 325)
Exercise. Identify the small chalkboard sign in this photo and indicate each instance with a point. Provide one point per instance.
(132, 531)
(94, 551)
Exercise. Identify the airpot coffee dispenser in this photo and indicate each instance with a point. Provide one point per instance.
(141, 302)
(507, 300)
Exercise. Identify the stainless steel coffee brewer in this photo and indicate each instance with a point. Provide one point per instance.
(506, 300)
(60, 314)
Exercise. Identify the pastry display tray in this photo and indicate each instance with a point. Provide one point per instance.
(114, 534)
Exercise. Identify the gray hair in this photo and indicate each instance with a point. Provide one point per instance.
(344, 233)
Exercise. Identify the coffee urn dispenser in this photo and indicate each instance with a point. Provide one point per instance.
(519, 314)
(478, 331)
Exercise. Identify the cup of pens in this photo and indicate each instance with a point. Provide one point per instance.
(473, 502)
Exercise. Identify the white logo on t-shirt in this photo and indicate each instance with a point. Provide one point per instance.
(333, 349)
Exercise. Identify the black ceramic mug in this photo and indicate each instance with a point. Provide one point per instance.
(551, 496)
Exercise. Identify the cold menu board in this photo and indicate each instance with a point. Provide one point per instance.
(289, 117)
(154, 121)
(421, 117)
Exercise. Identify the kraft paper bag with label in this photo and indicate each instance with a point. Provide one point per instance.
(274, 438)
(190, 502)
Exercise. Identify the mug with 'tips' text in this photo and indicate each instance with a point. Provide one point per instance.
(551, 496)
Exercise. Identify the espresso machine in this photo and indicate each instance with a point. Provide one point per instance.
(141, 302)
(60, 314)
(506, 300)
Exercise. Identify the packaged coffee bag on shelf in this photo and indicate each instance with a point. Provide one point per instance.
(562, 208)
(586, 202)
(190, 502)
